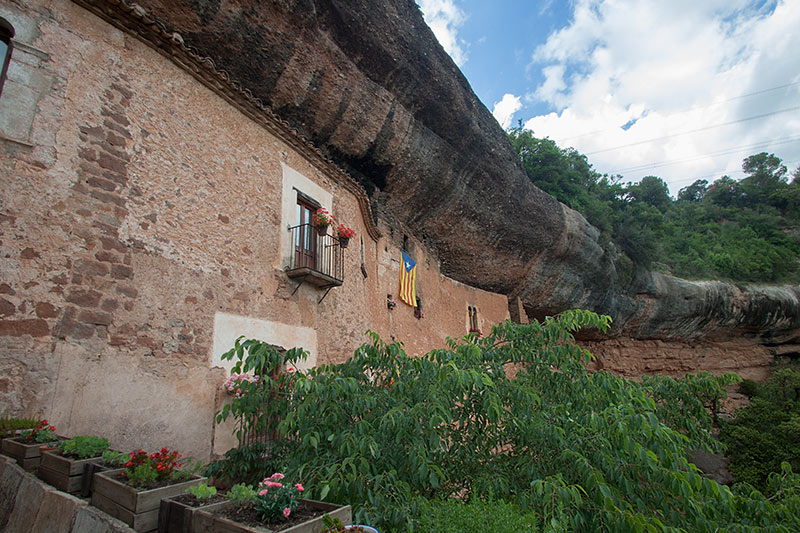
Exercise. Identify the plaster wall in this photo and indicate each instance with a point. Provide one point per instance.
(143, 228)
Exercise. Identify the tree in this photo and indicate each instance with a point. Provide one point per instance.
(694, 192)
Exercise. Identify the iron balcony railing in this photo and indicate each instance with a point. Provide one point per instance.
(316, 257)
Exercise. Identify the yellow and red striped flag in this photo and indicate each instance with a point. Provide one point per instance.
(408, 274)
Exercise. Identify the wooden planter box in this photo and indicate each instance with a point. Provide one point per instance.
(138, 509)
(28, 456)
(205, 521)
(176, 517)
(64, 473)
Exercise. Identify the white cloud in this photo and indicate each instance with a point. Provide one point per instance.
(504, 110)
(673, 73)
(445, 18)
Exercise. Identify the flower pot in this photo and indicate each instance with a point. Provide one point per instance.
(209, 519)
(28, 456)
(344, 242)
(322, 230)
(64, 473)
(176, 517)
(137, 508)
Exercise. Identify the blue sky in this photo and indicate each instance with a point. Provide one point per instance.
(680, 89)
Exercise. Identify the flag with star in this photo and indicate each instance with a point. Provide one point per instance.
(408, 273)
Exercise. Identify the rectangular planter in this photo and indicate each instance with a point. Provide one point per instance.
(205, 521)
(28, 456)
(138, 509)
(176, 517)
(63, 473)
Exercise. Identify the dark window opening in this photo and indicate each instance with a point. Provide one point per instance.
(6, 47)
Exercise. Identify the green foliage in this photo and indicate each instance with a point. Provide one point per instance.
(10, 425)
(141, 475)
(248, 464)
(393, 435)
(201, 491)
(736, 230)
(241, 494)
(115, 458)
(452, 516)
(83, 447)
(258, 406)
(766, 434)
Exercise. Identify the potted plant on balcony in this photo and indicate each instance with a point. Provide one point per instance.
(64, 467)
(345, 234)
(275, 504)
(322, 219)
(134, 494)
(26, 449)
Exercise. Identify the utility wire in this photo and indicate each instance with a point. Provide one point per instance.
(694, 108)
(696, 130)
(726, 151)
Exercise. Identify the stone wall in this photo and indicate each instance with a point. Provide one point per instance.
(141, 224)
(28, 504)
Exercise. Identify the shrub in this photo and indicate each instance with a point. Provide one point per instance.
(83, 447)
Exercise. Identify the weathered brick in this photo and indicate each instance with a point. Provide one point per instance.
(35, 327)
(7, 308)
(83, 297)
(113, 244)
(91, 268)
(69, 327)
(46, 310)
(98, 318)
(89, 154)
(29, 253)
(121, 272)
(106, 197)
(127, 290)
(101, 183)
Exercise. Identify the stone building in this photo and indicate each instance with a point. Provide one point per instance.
(151, 212)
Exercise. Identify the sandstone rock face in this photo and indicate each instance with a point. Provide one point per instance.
(368, 83)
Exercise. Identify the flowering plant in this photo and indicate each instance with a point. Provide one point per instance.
(275, 498)
(143, 469)
(322, 217)
(44, 432)
(233, 385)
(344, 231)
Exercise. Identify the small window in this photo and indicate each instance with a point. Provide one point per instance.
(6, 47)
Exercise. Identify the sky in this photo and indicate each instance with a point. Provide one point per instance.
(679, 89)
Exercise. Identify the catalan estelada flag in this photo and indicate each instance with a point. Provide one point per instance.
(408, 274)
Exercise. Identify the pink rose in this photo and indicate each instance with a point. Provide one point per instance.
(286, 512)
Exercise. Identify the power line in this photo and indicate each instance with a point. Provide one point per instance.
(694, 108)
(697, 130)
(726, 151)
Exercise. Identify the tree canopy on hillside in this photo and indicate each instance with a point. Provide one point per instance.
(747, 230)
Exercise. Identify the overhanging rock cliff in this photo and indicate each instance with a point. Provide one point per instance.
(367, 82)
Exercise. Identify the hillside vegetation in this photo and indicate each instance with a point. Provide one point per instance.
(743, 231)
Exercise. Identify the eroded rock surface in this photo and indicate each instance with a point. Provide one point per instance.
(368, 83)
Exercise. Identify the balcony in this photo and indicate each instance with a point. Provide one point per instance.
(316, 259)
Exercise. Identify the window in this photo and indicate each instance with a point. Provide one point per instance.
(6, 47)
(305, 238)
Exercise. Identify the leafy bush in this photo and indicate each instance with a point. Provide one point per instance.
(83, 447)
(766, 433)
(241, 494)
(115, 458)
(451, 516)
(201, 491)
(248, 464)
